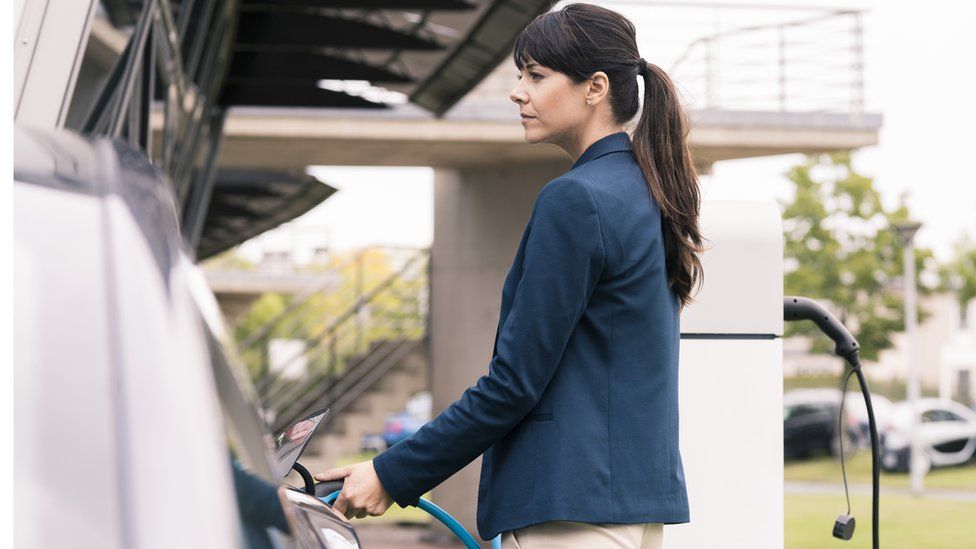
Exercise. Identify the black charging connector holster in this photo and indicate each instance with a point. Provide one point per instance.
(844, 527)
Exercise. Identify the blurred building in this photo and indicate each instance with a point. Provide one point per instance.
(946, 352)
(957, 379)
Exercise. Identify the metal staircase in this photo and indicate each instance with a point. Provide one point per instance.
(355, 331)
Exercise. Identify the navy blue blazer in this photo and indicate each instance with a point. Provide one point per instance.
(577, 417)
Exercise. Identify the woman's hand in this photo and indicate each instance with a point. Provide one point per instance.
(362, 493)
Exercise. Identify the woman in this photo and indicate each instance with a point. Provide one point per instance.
(578, 416)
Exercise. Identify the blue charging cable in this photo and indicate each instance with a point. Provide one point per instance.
(446, 519)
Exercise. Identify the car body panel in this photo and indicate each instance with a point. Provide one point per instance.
(65, 432)
(811, 418)
(129, 397)
(947, 431)
(112, 365)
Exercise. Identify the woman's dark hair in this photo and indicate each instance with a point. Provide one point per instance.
(581, 39)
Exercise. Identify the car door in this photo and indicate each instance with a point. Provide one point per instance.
(807, 426)
(950, 437)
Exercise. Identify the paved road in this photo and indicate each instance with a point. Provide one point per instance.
(401, 537)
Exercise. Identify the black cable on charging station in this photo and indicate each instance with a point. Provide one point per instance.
(840, 438)
(846, 347)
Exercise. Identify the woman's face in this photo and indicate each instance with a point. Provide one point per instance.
(551, 105)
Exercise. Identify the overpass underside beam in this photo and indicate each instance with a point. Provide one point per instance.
(287, 140)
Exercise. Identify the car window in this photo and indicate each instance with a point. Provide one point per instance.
(801, 410)
(932, 416)
(951, 416)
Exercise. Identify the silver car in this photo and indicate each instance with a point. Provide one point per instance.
(947, 431)
(131, 406)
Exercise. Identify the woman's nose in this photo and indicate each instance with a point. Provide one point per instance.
(517, 95)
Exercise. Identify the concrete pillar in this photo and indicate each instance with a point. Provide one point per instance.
(479, 216)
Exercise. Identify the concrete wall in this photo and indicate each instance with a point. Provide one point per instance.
(479, 216)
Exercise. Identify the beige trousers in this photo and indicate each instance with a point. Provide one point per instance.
(559, 534)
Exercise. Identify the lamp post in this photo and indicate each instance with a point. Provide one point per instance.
(906, 231)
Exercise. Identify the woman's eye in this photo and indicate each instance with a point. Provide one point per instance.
(535, 75)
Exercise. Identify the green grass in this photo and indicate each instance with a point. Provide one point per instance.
(893, 390)
(827, 469)
(905, 522)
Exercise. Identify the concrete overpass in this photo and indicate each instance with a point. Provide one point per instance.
(484, 130)
(236, 290)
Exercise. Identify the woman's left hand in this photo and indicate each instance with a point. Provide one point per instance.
(362, 493)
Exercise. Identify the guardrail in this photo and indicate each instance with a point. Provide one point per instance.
(345, 328)
(749, 57)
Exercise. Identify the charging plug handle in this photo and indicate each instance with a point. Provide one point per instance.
(803, 308)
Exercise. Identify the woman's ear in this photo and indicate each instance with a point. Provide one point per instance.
(598, 86)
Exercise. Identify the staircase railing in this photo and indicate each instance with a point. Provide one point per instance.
(341, 391)
(352, 335)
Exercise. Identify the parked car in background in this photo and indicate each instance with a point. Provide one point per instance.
(810, 418)
(401, 425)
(372, 442)
(947, 431)
(856, 414)
(808, 427)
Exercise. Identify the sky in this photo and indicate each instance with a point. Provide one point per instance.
(918, 77)
(373, 206)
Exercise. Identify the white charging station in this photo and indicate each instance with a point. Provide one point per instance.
(731, 383)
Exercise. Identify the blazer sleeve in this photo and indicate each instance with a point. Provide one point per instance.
(563, 259)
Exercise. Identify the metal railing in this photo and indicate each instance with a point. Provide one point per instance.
(748, 57)
(350, 333)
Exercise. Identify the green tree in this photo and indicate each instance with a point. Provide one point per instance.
(262, 311)
(959, 275)
(839, 248)
(369, 273)
(362, 300)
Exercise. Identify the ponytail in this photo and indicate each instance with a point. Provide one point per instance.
(579, 40)
(661, 150)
